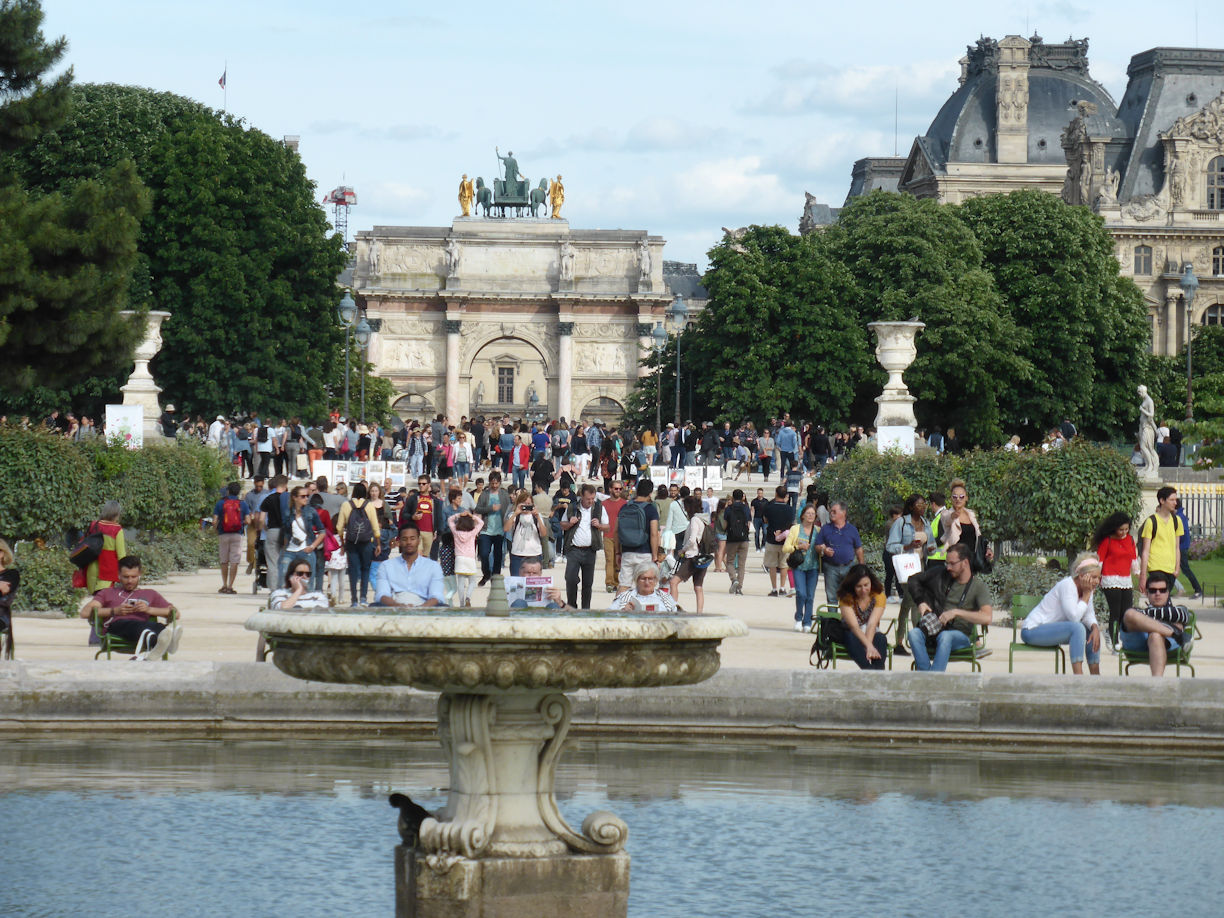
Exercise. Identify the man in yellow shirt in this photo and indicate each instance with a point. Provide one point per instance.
(1159, 538)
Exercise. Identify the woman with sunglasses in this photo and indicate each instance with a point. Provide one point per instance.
(296, 592)
(959, 526)
(1065, 616)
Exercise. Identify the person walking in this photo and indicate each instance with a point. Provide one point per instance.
(802, 538)
(842, 548)
(738, 520)
(1115, 548)
(359, 530)
(103, 572)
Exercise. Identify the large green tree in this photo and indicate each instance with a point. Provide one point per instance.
(914, 259)
(1081, 326)
(778, 334)
(235, 245)
(66, 258)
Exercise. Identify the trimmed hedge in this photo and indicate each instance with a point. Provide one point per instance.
(54, 485)
(1049, 501)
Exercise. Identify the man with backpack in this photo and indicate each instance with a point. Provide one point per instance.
(737, 516)
(272, 513)
(263, 449)
(637, 533)
(584, 525)
(230, 517)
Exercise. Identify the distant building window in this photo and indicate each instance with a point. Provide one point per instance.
(1215, 184)
(505, 385)
(1143, 259)
(1217, 261)
(1213, 315)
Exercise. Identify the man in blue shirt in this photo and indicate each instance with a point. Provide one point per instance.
(787, 442)
(409, 580)
(842, 548)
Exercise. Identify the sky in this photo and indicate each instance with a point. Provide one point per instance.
(679, 118)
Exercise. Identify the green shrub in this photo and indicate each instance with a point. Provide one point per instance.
(48, 484)
(46, 580)
(1048, 501)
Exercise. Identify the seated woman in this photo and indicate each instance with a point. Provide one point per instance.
(860, 598)
(645, 595)
(296, 593)
(1065, 616)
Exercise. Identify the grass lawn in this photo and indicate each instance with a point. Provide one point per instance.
(1210, 574)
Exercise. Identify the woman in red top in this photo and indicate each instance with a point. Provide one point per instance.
(1116, 549)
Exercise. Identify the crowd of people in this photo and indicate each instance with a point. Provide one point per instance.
(488, 496)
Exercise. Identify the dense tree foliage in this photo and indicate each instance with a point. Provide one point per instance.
(778, 333)
(1081, 326)
(915, 259)
(234, 246)
(66, 258)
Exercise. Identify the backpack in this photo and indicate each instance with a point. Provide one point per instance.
(737, 523)
(631, 525)
(231, 515)
(262, 436)
(89, 549)
(708, 543)
(357, 528)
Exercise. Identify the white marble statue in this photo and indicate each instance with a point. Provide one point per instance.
(644, 260)
(1147, 433)
(567, 261)
(452, 258)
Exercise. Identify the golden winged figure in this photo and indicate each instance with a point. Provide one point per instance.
(467, 194)
(556, 197)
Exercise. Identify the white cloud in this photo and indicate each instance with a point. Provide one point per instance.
(651, 135)
(805, 87)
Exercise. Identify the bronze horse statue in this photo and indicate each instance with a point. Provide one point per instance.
(484, 195)
(539, 198)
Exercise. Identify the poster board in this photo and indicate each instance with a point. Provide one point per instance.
(398, 473)
(125, 425)
(675, 477)
(694, 477)
(376, 472)
(340, 468)
(356, 472)
(713, 477)
(325, 468)
(531, 590)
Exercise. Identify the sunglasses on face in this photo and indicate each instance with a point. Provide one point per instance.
(1158, 589)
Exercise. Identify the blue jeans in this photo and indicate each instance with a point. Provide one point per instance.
(1073, 634)
(520, 478)
(490, 548)
(1138, 640)
(463, 469)
(947, 641)
(758, 530)
(833, 578)
(805, 592)
(360, 557)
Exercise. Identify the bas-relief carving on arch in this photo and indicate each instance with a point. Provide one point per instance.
(481, 335)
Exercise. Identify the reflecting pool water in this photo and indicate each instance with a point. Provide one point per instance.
(301, 827)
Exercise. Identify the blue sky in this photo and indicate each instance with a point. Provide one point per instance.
(674, 117)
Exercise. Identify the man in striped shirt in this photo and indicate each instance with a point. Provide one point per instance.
(1160, 627)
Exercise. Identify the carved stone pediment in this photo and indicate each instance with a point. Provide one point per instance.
(1206, 125)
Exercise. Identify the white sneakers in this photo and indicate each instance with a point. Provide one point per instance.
(166, 643)
(798, 626)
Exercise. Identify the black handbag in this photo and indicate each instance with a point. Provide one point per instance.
(88, 550)
(795, 558)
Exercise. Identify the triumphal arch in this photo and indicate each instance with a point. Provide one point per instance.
(501, 315)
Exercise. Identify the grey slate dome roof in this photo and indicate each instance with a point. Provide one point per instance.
(964, 129)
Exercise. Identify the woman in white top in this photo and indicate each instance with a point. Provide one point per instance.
(689, 550)
(526, 530)
(1065, 616)
(646, 595)
(295, 594)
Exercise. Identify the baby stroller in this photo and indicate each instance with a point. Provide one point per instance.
(261, 568)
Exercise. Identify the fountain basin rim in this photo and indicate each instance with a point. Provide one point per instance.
(519, 627)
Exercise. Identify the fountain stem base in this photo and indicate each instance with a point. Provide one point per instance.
(574, 885)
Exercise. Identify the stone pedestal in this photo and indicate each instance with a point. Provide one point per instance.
(576, 886)
(895, 350)
(140, 388)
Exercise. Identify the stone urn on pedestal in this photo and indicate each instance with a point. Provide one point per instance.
(895, 350)
(140, 388)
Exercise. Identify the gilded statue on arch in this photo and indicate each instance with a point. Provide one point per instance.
(556, 197)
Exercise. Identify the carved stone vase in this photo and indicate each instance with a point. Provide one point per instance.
(140, 388)
(895, 350)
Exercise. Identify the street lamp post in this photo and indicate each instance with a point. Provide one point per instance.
(362, 334)
(660, 341)
(679, 313)
(1189, 284)
(348, 315)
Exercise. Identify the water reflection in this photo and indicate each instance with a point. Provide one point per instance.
(300, 826)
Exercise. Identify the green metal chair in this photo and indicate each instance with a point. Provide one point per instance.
(973, 654)
(1178, 657)
(1021, 606)
(112, 643)
(839, 651)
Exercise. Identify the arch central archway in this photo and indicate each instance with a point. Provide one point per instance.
(504, 374)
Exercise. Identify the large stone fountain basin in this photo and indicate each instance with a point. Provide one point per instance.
(470, 652)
